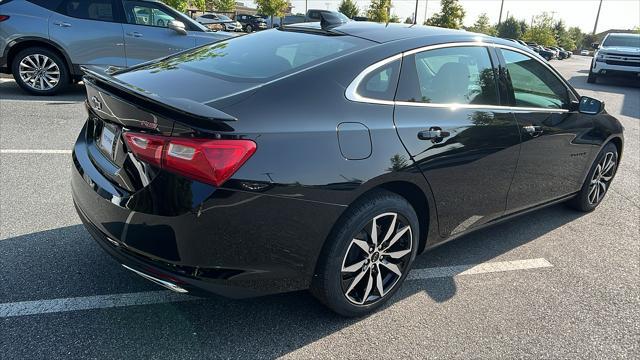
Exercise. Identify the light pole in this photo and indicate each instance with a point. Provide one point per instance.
(415, 14)
(501, 6)
(426, 2)
(595, 26)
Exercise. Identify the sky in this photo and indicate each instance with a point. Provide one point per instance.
(615, 14)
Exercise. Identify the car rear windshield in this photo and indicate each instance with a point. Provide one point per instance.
(628, 41)
(261, 56)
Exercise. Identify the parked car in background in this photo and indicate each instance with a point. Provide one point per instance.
(546, 54)
(397, 139)
(43, 43)
(360, 18)
(251, 23)
(316, 15)
(561, 54)
(619, 54)
(584, 52)
(224, 21)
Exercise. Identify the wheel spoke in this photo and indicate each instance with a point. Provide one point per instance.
(592, 193)
(379, 284)
(397, 236)
(374, 231)
(355, 267)
(367, 290)
(393, 267)
(392, 228)
(30, 61)
(356, 281)
(397, 254)
(361, 244)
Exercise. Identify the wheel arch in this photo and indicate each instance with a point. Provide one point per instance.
(15, 46)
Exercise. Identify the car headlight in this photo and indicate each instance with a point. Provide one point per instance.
(600, 57)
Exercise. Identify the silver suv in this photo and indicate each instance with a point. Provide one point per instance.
(43, 43)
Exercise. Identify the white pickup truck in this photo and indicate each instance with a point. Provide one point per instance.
(619, 54)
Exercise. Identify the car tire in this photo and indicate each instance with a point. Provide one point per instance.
(50, 67)
(249, 29)
(591, 79)
(353, 277)
(598, 181)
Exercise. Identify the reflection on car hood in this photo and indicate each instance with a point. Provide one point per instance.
(621, 49)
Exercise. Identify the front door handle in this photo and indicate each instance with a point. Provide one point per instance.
(434, 134)
(533, 130)
(62, 24)
(134, 34)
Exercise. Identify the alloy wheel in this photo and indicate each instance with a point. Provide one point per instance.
(39, 72)
(376, 259)
(601, 178)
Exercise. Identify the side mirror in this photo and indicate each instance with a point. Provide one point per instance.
(595, 46)
(178, 26)
(590, 106)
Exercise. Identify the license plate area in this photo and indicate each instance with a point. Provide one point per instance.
(107, 139)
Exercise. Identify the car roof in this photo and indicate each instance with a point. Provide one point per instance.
(382, 33)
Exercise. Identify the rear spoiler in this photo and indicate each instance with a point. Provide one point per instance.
(185, 106)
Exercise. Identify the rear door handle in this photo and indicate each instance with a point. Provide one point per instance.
(134, 34)
(434, 134)
(62, 24)
(533, 130)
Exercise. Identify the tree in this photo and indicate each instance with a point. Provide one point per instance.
(394, 18)
(180, 5)
(483, 26)
(224, 5)
(379, 11)
(523, 27)
(509, 29)
(576, 35)
(562, 36)
(272, 7)
(408, 20)
(349, 8)
(199, 4)
(542, 30)
(450, 16)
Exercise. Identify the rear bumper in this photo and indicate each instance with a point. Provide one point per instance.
(232, 243)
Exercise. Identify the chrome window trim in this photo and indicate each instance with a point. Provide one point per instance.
(352, 94)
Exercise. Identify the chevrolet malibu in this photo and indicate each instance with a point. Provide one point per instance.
(326, 157)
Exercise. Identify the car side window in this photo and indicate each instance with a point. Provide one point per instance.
(144, 13)
(314, 15)
(100, 10)
(381, 83)
(453, 75)
(533, 84)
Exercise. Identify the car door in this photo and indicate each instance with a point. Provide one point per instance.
(448, 116)
(89, 31)
(146, 34)
(555, 144)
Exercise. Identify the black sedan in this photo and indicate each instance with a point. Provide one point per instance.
(328, 157)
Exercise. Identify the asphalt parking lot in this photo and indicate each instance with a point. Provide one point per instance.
(551, 284)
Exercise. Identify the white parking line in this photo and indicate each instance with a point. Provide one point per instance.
(33, 151)
(489, 267)
(160, 297)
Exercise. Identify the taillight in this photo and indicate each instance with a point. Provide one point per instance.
(4, 17)
(206, 160)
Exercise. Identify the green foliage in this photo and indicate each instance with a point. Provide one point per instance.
(272, 7)
(450, 16)
(180, 5)
(394, 18)
(199, 4)
(542, 31)
(483, 26)
(224, 5)
(408, 20)
(349, 8)
(379, 11)
(563, 39)
(523, 27)
(576, 35)
(510, 29)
